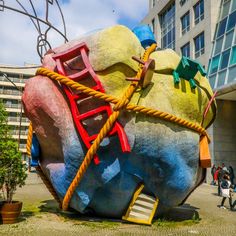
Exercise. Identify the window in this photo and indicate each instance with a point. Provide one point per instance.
(214, 64)
(167, 20)
(218, 45)
(212, 80)
(185, 50)
(225, 9)
(221, 78)
(199, 45)
(153, 25)
(199, 12)
(185, 22)
(232, 74)
(229, 39)
(153, 3)
(182, 2)
(233, 56)
(231, 21)
(233, 6)
(224, 59)
(221, 27)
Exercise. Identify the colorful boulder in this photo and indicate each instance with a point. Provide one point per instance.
(164, 156)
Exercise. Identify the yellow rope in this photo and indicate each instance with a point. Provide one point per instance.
(119, 104)
(132, 107)
(29, 139)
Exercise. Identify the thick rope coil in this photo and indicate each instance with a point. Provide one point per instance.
(29, 140)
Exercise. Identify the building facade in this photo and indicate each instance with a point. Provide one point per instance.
(12, 82)
(222, 76)
(205, 31)
(186, 26)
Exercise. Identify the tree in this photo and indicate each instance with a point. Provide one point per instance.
(12, 169)
(4, 129)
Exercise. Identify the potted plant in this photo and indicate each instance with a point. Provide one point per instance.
(12, 172)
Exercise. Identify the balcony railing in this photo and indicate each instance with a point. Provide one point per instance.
(9, 92)
(16, 132)
(15, 80)
(17, 119)
(22, 146)
(12, 105)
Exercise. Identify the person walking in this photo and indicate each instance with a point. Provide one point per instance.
(226, 192)
(213, 170)
(231, 174)
(220, 173)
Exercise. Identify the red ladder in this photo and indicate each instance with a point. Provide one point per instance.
(80, 102)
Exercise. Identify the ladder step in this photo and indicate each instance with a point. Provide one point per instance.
(146, 198)
(142, 208)
(138, 216)
(146, 204)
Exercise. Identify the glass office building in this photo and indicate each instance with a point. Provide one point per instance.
(222, 77)
(222, 65)
(186, 26)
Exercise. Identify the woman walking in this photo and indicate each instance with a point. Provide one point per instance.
(225, 187)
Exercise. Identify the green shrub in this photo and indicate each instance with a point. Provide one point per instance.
(12, 170)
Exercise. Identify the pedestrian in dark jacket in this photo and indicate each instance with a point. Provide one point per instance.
(231, 174)
(226, 191)
(221, 173)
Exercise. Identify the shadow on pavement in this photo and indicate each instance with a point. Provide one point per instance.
(182, 213)
(52, 206)
(178, 214)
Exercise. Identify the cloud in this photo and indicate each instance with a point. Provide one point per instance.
(18, 36)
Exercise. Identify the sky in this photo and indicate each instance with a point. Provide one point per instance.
(19, 36)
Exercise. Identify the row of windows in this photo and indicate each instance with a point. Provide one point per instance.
(228, 7)
(226, 24)
(17, 78)
(198, 16)
(167, 20)
(223, 60)
(224, 42)
(223, 77)
(222, 65)
(199, 44)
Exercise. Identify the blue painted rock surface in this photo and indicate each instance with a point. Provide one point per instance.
(164, 156)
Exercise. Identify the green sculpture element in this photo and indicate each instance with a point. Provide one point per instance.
(187, 69)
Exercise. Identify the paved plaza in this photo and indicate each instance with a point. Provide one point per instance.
(198, 216)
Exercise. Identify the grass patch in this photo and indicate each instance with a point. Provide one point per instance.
(99, 225)
(33, 208)
(162, 222)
